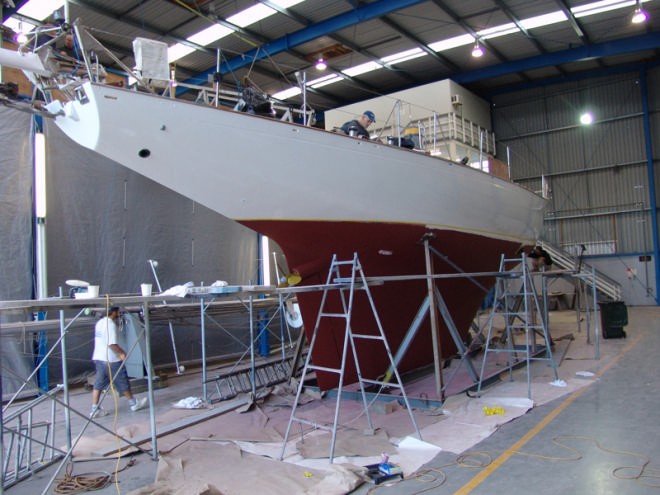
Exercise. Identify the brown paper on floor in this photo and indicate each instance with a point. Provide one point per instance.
(348, 443)
(212, 469)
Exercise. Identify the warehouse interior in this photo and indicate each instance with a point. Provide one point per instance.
(560, 97)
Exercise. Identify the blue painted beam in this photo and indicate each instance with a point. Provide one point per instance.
(607, 49)
(648, 140)
(286, 42)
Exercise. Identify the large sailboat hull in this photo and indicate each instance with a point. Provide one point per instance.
(319, 194)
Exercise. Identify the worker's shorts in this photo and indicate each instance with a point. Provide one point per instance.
(103, 376)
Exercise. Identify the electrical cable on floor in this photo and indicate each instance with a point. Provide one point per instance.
(641, 474)
(87, 482)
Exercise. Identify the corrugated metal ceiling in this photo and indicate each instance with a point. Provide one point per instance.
(367, 39)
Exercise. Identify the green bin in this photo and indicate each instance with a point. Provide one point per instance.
(613, 317)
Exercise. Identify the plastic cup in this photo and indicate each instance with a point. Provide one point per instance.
(146, 289)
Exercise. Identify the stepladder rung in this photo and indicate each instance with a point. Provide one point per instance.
(334, 315)
(315, 367)
(367, 337)
(347, 262)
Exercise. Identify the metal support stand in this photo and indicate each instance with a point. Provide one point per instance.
(335, 277)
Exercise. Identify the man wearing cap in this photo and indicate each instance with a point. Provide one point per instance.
(358, 128)
(108, 358)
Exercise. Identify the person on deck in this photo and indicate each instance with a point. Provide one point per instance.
(358, 127)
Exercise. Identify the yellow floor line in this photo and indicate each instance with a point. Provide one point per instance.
(478, 479)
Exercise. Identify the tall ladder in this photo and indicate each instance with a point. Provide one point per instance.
(346, 287)
(521, 311)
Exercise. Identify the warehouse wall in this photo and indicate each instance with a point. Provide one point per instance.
(598, 175)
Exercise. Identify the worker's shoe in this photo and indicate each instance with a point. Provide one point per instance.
(98, 413)
(139, 404)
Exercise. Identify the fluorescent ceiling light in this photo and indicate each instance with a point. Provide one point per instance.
(333, 79)
(362, 69)
(40, 9)
(448, 44)
(287, 93)
(496, 31)
(397, 58)
(251, 15)
(602, 6)
(210, 34)
(175, 52)
(544, 20)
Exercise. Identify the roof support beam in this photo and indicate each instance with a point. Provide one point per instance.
(610, 48)
(351, 18)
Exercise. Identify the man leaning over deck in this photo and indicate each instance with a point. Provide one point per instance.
(358, 127)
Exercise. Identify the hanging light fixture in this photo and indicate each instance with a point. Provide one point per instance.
(321, 64)
(639, 15)
(477, 51)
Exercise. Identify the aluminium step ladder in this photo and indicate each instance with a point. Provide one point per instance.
(521, 311)
(347, 287)
(229, 385)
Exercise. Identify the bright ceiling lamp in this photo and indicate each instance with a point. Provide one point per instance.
(639, 16)
(586, 118)
(477, 51)
(321, 64)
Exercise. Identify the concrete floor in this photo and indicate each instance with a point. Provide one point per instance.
(618, 412)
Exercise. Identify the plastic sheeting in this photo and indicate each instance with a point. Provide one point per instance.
(103, 223)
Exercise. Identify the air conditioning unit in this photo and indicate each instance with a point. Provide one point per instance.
(456, 100)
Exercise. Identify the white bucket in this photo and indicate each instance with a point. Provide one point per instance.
(146, 289)
(93, 291)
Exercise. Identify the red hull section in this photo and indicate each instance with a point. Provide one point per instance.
(384, 250)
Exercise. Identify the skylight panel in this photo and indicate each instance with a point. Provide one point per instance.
(19, 26)
(497, 31)
(544, 20)
(175, 52)
(251, 15)
(403, 56)
(285, 4)
(40, 9)
(602, 6)
(210, 34)
(330, 80)
(449, 43)
(287, 93)
(362, 69)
